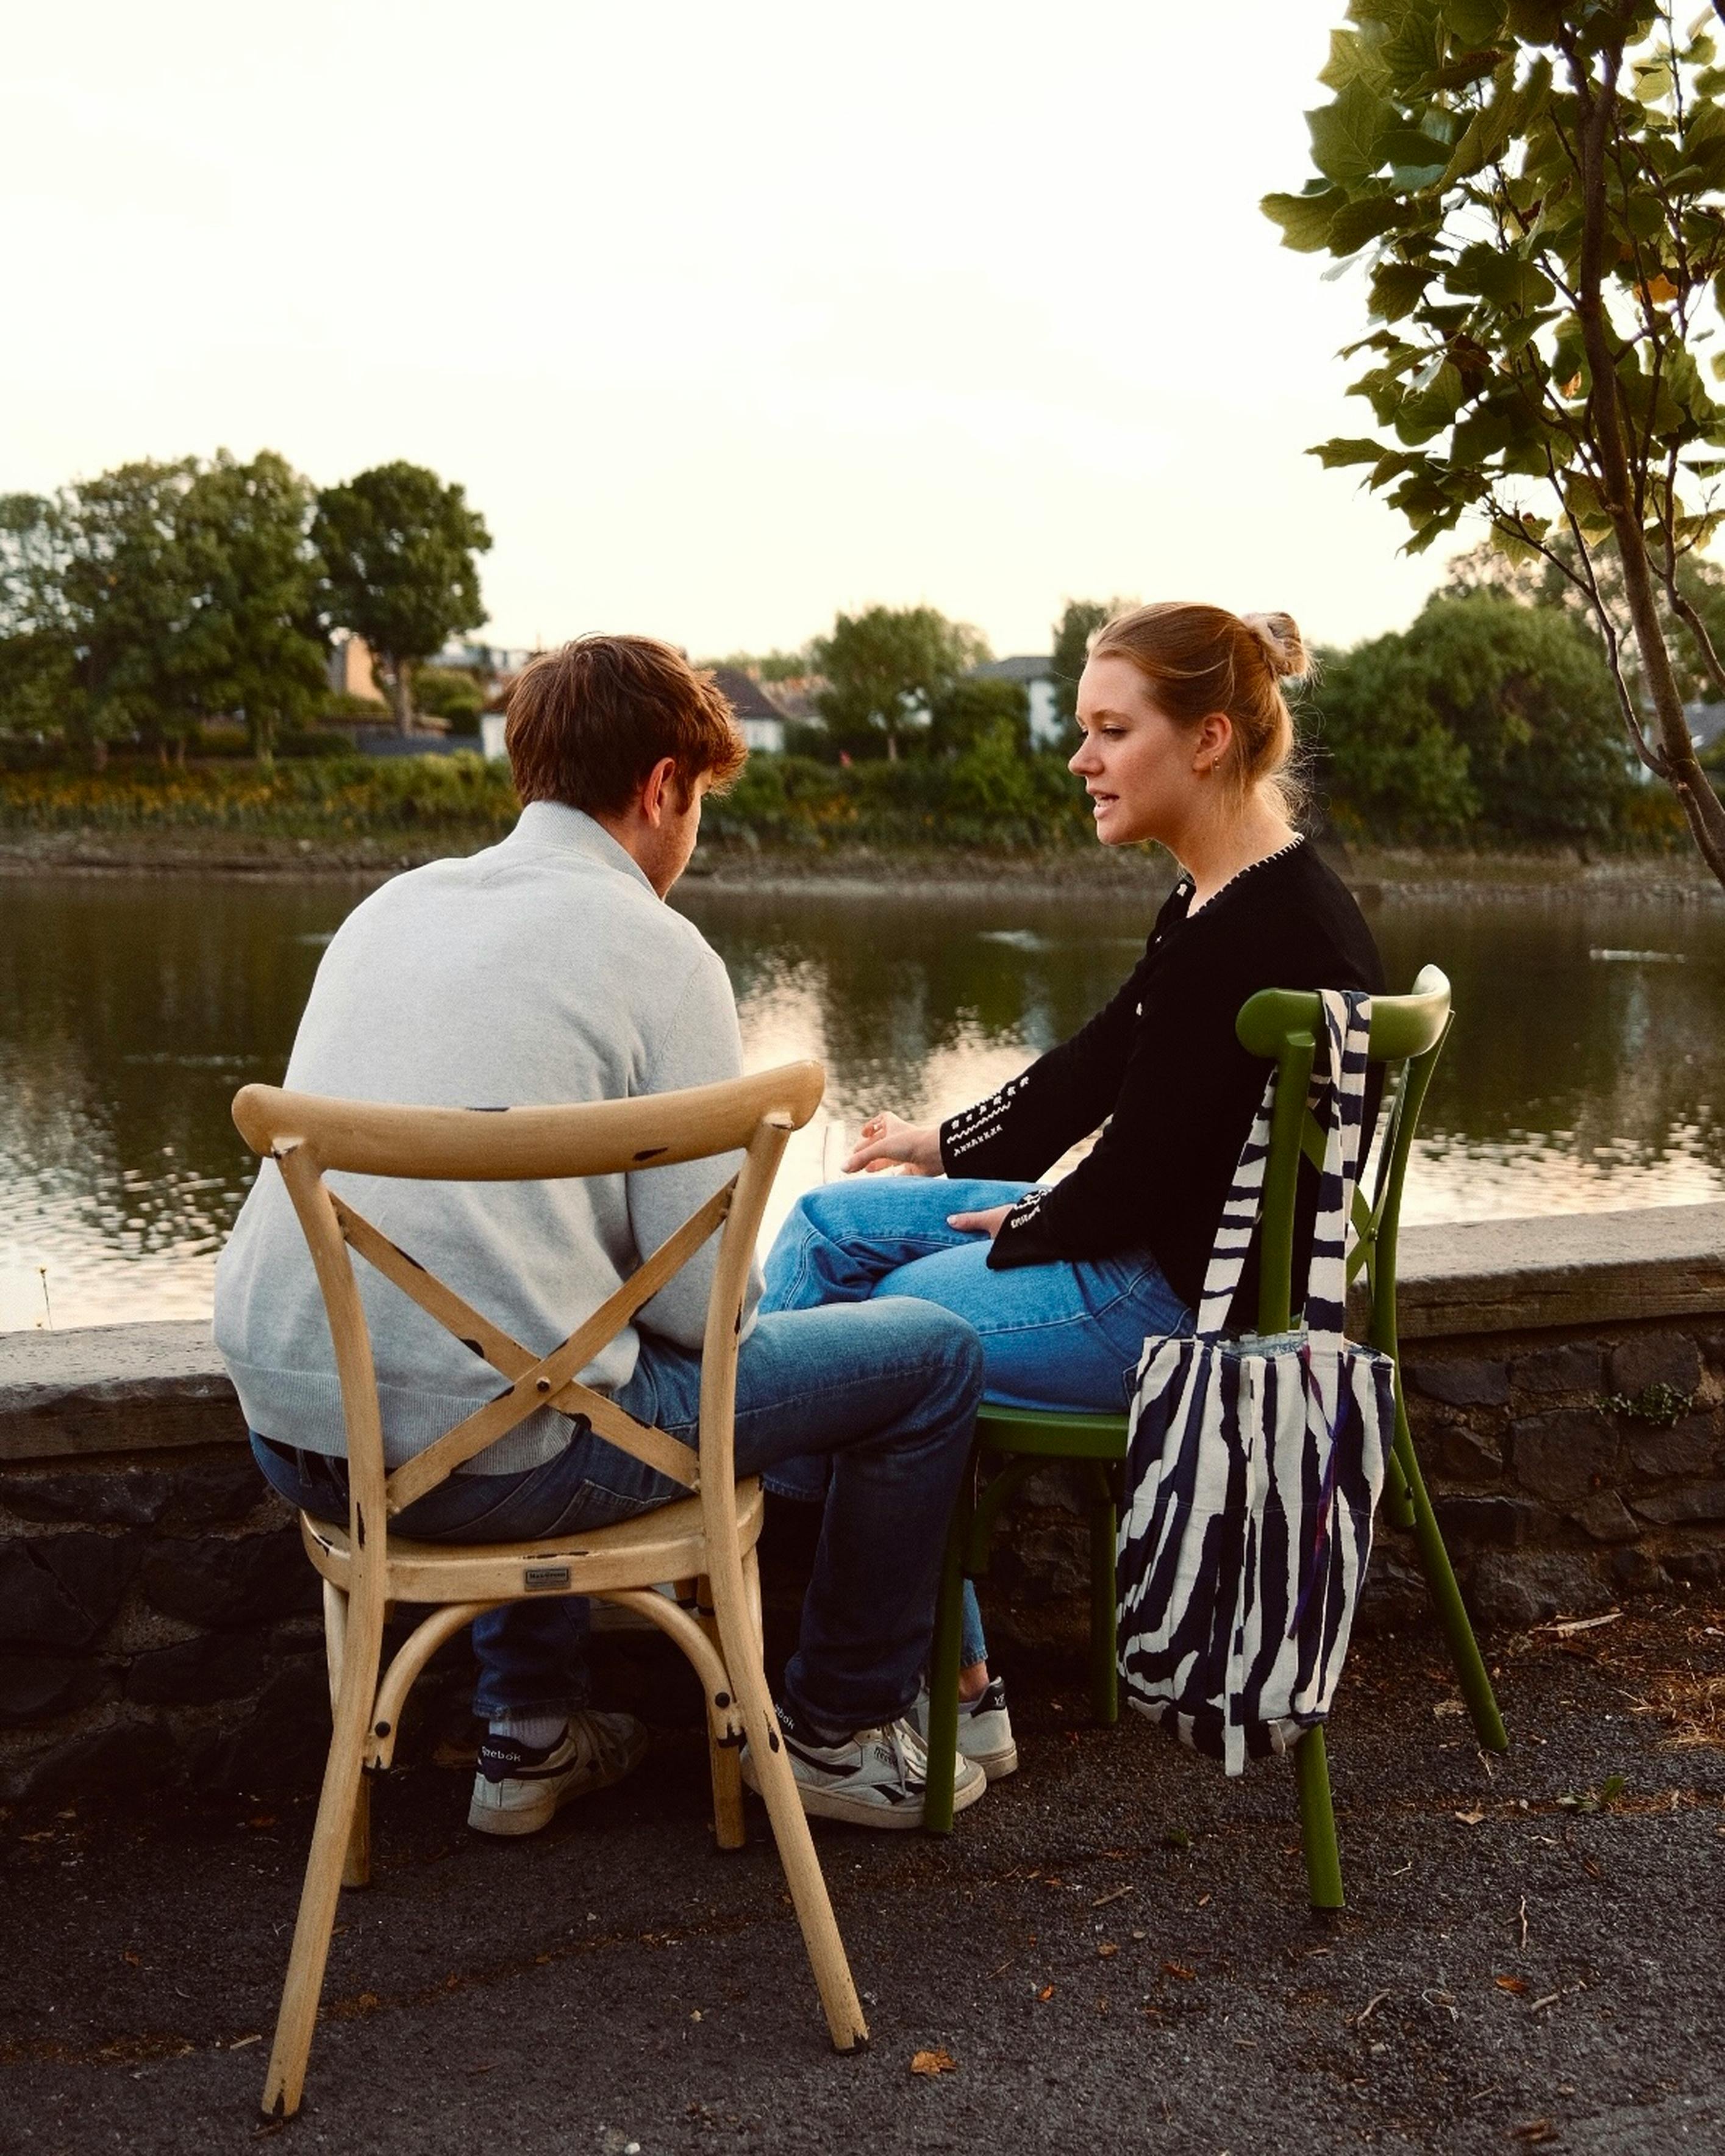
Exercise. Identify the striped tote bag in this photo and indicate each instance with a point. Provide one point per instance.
(1253, 1467)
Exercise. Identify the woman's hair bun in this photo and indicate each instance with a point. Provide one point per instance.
(1283, 645)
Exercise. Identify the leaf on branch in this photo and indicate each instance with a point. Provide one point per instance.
(1347, 450)
(1397, 289)
(1352, 60)
(1305, 220)
(1346, 135)
(1474, 22)
(1659, 290)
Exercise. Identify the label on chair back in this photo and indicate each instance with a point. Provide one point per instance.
(544, 1576)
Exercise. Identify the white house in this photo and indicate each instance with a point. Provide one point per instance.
(1039, 678)
(762, 721)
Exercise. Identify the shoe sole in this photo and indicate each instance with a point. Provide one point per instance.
(528, 1818)
(858, 1811)
(996, 1765)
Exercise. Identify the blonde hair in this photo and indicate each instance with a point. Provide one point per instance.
(1196, 660)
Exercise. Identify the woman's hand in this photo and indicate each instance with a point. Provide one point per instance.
(979, 1224)
(888, 1142)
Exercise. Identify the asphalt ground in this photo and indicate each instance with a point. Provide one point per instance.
(1114, 1950)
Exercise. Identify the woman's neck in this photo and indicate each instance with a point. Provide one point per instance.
(1217, 850)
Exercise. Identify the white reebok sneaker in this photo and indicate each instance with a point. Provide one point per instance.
(874, 1778)
(517, 1790)
(985, 1729)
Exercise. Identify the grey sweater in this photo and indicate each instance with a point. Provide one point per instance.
(546, 969)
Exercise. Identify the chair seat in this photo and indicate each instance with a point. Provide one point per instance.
(665, 1543)
(1053, 1433)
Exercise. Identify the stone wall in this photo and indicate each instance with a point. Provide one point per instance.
(158, 1620)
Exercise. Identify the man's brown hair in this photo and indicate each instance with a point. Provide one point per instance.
(588, 721)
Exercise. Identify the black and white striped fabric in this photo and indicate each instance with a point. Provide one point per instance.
(1254, 1468)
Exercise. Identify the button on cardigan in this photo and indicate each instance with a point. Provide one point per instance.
(1161, 1071)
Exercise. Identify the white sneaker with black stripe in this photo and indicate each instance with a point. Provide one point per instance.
(874, 1778)
(518, 1790)
(985, 1729)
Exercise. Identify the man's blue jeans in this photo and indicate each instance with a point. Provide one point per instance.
(887, 1393)
(1064, 1335)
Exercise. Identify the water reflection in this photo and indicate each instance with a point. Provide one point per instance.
(1583, 1073)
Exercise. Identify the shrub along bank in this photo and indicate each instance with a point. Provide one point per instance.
(991, 796)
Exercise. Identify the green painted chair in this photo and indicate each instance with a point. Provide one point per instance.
(1282, 1025)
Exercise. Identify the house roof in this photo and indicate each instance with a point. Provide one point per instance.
(745, 696)
(1013, 670)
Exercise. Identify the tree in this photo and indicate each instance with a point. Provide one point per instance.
(397, 547)
(97, 594)
(968, 713)
(887, 668)
(252, 646)
(1487, 714)
(1079, 621)
(451, 693)
(1534, 190)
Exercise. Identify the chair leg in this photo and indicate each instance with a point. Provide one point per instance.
(943, 1656)
(725, 1760)
(1452, 1611)
(1104, 1680)
(331, 1835)
(356, 1863)
(1317, 1822)
(790, 1825)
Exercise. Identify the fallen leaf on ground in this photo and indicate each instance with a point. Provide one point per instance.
(1107, 1948)
(1535, 2131)
(934, 2062)
(1469, 1818)
(1175, 1968)
(1449, 1707)
(1046, 1992)
(1510, 1983)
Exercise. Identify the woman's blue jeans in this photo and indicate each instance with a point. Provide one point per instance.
(1064, 1335)
(889, 1396)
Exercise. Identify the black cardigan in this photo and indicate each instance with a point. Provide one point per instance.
(1161, 1063)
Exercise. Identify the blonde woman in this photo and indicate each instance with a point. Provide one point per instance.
(1185, 738)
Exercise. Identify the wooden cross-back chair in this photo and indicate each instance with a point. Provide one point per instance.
(709, 1537)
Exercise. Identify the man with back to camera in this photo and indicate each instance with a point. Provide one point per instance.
(548, 969)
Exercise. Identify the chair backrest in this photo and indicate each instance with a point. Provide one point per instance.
(307, 1136)
(1285, 1026)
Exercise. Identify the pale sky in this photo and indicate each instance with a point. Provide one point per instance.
(727, 318)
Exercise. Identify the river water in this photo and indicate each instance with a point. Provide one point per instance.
(1583, 1074)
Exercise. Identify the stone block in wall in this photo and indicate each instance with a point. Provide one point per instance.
(1498, 1522)
(1604, 1515)
(1691, 1446)
(1655, 1358)
(1696, 1501)
(129, 1757)
(198, 1671)
(120, 1497)
(224, 1583)
(1633, 1572)
(1569, 1367)
(1461, 1454)
(60, 1591)
(1700, 1567)
(1515, 1590)
(284, 1743)
(1469, 1384)
(36, 1688)
(1563, 1454)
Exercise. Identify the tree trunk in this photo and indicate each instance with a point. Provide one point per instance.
(1683, 774)
(401, 694)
